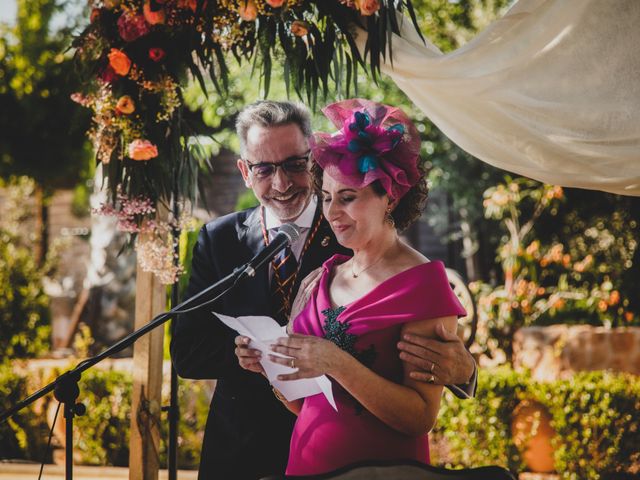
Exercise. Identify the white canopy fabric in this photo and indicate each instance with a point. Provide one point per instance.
(550, 91)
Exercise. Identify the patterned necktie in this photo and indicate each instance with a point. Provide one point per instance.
(285, 267)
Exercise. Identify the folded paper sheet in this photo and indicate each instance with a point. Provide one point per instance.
(550, 91)
(263, 331)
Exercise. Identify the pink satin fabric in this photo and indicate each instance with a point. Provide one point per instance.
(324, 439)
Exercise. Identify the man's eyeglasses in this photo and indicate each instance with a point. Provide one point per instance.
(291, 166)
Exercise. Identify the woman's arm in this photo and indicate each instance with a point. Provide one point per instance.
(410, 408)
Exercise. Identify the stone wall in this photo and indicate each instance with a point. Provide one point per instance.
(557, 351)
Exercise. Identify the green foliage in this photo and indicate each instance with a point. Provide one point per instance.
(594, 415)
(577, 277)
(246, 199)
(478, 432)
(24, 308)
(41, 129)
(194, 399)
(24, 314)
(24, 435)
(101, 436)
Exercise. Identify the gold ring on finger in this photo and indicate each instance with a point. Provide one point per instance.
(433, 365)
(432, 379)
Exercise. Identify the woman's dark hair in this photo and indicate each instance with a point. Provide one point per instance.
(409, 207)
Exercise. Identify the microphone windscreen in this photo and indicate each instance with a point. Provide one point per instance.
(291, 231)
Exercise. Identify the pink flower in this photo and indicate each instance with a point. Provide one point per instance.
(131, 27)
(142, 150)
(108, 75)
(80, 99)
(156, 54)
(368, 7)
(275, 3)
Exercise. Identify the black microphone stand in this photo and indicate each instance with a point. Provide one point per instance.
(65, 387)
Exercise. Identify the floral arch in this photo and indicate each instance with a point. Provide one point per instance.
(136, 54)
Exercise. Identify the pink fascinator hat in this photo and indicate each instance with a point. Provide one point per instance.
(374, 142)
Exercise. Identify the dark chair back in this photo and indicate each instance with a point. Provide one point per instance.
(405, 470)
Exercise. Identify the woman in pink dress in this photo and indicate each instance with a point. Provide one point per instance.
(351, 313)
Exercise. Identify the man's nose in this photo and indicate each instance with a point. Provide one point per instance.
(280, 180)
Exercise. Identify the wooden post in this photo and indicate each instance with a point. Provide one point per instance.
(144, 443)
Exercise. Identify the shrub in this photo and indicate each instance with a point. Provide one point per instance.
(595, 416)
(24, 435)
(101, 436)
(24, 310)
(478, 432)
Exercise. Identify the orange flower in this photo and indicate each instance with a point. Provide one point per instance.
(628, 316)
(119, 61)
(142, 150)
(614, 297)
(125, 105)
(275, 3)
(602, 306)
(153, 17)
(368, 7)
(299, 28)
(247, 10)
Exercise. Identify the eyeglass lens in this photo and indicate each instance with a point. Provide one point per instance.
(294, 165)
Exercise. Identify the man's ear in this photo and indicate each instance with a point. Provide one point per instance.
(244, 170)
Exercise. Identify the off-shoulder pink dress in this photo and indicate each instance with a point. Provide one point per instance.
(369, 329)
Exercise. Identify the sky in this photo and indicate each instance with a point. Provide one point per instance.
(7, 11)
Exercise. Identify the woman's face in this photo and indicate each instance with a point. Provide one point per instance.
(356, 215)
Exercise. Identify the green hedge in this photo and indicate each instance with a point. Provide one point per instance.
(101, 436)
(595, 415)
(24, 435)
(597, 418)
(24, 308)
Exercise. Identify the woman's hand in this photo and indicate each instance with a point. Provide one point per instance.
(248, 358)
(312, 356)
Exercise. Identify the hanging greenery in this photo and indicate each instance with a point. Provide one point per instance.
(136, 54)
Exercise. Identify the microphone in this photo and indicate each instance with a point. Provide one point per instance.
(287, 234)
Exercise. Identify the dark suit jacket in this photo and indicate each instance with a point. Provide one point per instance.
(248, 430)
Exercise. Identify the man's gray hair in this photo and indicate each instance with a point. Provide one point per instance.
(269, 113)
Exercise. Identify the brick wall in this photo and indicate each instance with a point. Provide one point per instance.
(557, 351)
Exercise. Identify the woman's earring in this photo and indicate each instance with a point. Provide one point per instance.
(389, 219)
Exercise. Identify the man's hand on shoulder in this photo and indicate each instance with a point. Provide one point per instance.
(442, 361)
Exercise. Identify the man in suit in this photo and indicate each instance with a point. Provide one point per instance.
(248, 430)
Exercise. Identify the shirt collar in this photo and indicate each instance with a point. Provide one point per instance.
(305, 220)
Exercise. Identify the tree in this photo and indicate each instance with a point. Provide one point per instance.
(42, 132)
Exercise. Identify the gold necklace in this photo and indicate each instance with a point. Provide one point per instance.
(353, 272)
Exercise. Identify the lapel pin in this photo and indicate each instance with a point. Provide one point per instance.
(325, 241)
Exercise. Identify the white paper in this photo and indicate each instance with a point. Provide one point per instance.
(263, 331)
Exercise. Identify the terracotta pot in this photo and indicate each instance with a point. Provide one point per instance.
(532, 433)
